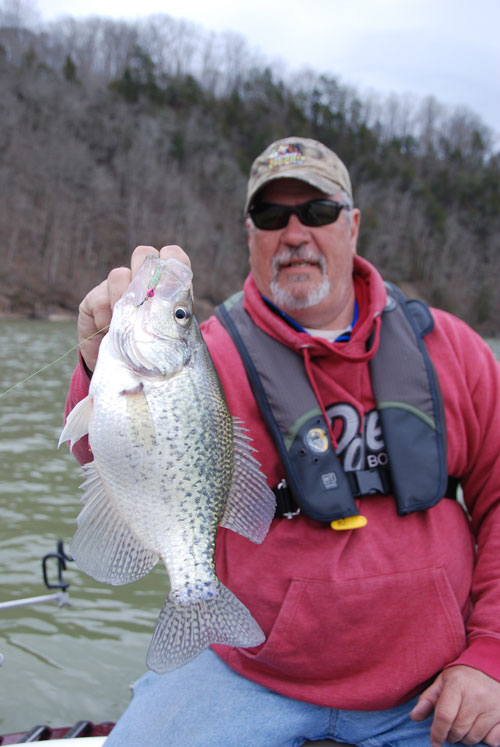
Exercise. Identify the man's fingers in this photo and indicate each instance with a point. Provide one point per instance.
(139, 255)
(493, 736)
(166, 252)
(422, 709)
(174, 251)
(93, 311)
(427, 700)
(445, 717)
(117, 283)
(96, 308)
(466, 706)
(479, 731)
(463, 729)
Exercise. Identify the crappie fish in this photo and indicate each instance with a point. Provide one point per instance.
(170, 466)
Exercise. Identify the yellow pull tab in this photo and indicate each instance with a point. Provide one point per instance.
(350, 522)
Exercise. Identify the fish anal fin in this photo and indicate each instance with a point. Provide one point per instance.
(77, 422)
(251, 504)
(103, 546)
(184, 630)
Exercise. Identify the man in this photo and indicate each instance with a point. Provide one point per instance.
(383, 626)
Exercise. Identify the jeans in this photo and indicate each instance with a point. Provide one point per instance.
(206, 704)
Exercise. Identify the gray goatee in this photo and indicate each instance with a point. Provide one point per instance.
(297, 297)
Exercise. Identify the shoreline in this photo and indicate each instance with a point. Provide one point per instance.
(49, 316)
(72, 316)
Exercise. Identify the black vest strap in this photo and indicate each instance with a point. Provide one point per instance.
(287, 508)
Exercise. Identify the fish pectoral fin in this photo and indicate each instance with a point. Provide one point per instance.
(103, 545)
(133, 389)
(184, 630)
(251, 504)
(77, 422)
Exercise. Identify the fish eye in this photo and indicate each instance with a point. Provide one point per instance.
(182, 315)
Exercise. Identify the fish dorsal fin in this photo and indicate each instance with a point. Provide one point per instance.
(103, 545)
(77, 422)
(251, 504)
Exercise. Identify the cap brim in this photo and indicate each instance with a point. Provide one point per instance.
(327, 186)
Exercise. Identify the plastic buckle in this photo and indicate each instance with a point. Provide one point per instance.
(285, 501)
(291, 514)
(368, 482)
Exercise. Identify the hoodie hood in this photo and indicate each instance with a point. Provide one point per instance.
(371, 297)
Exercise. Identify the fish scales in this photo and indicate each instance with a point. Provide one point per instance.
(170, 466)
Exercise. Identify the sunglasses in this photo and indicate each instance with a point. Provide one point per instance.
(269, 216)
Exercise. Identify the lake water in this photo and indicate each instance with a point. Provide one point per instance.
(70, 663)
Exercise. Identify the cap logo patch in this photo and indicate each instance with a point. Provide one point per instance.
(286, 155)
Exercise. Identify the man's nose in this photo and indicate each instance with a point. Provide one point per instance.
(294, 232)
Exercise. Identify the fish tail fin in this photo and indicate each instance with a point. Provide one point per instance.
(184, 630)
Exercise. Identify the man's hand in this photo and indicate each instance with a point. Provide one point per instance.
(466, 704)
(96, 308)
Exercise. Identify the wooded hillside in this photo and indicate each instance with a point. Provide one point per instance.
(115, 134)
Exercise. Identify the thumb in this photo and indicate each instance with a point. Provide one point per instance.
(427, 701)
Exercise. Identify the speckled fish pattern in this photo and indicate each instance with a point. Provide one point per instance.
(170, 465)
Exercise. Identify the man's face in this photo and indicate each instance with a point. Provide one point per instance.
(306, 271)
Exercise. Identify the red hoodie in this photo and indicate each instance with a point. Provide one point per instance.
(363, 619)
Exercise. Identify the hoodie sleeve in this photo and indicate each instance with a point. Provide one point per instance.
(78, 390)
(472, 399)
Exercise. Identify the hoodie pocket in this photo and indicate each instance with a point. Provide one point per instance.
(406, 626)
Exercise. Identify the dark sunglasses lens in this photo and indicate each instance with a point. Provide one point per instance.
(320, 213)
(269, 217)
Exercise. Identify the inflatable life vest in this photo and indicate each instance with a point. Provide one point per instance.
(409, 402)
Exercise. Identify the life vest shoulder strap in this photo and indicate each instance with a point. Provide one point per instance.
(410, 404)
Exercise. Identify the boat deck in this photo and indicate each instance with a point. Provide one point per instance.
(91, 735)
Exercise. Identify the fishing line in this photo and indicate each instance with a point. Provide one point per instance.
(48, 365)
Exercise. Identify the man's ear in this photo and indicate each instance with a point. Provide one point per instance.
(355, 223)
(249, 227)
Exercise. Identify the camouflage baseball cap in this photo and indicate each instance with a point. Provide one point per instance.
(298, 158)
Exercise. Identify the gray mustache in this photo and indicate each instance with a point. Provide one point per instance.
(302, 254)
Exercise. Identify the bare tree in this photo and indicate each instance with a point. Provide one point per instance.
(19, 13)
